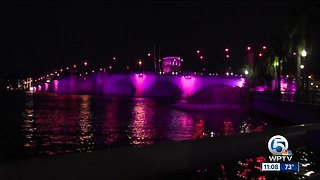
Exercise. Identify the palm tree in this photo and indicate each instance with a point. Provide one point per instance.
(293, 38)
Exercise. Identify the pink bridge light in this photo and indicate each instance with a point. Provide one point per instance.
(56, 84)
(241, 82)
(140, 79)
(188, 85)
(46, 86)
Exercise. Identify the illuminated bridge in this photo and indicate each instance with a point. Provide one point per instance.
(135, 84)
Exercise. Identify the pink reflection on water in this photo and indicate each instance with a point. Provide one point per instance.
(250, 168)
(86, 136)
(247, 127)
(181, 127)
(29, 128)
(141, 126)
(110, 126)
(200, 129)
(227, 128)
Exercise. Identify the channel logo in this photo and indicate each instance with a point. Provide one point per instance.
(287, 153)
(278, 146)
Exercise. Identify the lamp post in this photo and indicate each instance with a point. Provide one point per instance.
(300, 66)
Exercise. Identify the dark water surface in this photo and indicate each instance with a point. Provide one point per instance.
(36, 126)
(50, 125)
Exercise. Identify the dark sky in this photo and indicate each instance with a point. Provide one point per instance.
(42, 36)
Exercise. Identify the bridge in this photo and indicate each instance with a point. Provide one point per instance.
(136, 84)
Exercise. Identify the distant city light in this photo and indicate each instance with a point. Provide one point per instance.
(311, 84)
(302, 66)
(227, 56)
(149, 54)
(246, 72)
(85, 63)
(67, 68)
(140, 62)
(226, 49)
(198, 51)
(294, 53)
(114, 58)
(74, 66)
(309, 77)
(201, 57)
(264, 47)
(248, 48)
(110, 67)
(260, 54)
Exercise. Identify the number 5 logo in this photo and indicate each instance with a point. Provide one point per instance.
(277, 145)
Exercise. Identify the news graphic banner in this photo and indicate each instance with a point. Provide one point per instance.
(281, 157)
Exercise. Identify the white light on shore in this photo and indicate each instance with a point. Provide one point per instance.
(304, 53)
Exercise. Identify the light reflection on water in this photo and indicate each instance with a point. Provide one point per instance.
(62, 124)
(66, 124)
(250, 168)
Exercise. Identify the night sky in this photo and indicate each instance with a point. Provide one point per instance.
(39, 36)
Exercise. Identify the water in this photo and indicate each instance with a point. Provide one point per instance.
(37, 126)
(51, 125)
